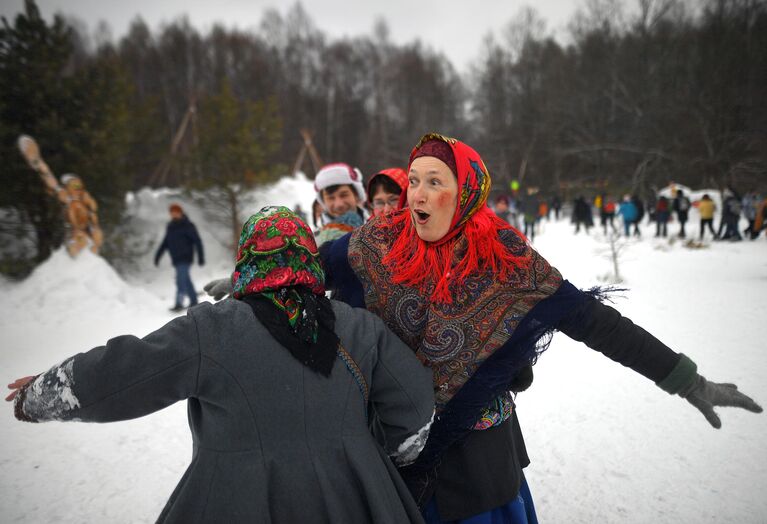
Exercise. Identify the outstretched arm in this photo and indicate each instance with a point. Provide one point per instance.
(604, 329)
(127, 378)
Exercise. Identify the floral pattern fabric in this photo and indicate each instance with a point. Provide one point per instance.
(277, 249)
(276, 253)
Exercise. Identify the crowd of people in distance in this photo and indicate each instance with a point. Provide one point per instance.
(525, 213)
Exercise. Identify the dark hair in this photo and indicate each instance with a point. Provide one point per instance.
(385, 183)
(332, 189)
(315, 205)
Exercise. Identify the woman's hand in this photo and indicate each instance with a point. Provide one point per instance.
(16, 385)
(219, 288)
(706, 395)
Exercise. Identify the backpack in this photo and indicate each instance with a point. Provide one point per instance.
(684, 203)
(610, 207)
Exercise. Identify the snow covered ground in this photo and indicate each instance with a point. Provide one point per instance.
(606, 444)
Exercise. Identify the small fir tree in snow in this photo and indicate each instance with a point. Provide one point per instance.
(238, 141)
(616, 246)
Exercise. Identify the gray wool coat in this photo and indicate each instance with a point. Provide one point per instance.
(274, 442)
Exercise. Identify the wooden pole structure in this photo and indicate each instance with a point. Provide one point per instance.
(307, 147)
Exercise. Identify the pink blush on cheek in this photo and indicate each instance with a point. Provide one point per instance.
(444, 200)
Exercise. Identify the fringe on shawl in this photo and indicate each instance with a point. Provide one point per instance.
(529, 341)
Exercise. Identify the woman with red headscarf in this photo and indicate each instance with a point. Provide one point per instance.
(384, 190)
(477, 304)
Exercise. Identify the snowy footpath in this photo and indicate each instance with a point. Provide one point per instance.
(606, 445)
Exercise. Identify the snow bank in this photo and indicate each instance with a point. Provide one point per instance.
(75, 286)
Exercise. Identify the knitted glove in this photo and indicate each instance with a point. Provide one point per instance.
(704, 395)
(219, 288)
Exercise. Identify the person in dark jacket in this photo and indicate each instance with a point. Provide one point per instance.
(281, 383)
(682, 209)
(662, 214)
(731, 210)
(556, 205)
(582, 214)
(181, 239)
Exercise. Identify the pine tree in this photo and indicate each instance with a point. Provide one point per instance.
(77, 110)
(237, 143)
(34, 87)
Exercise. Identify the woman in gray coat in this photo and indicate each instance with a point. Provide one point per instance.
(282, 385)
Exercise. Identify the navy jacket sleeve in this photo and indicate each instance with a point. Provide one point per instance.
(195, 237)
(162, 248)
(340, 278)
(582, 317)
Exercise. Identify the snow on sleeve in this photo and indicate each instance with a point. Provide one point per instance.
(51, 395)
(409, 450)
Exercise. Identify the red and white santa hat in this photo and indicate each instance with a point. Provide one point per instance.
(337, 174)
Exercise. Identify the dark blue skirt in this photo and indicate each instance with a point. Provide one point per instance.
(521, 510)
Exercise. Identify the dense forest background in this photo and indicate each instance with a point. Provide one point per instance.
(641, 94)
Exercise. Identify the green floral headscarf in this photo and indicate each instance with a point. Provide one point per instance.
(278, 259)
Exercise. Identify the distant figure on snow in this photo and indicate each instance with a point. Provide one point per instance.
(628, 210)
(682, 209)
(662, 214)
(731, 210)
(607, 212)
(582, 214)
(181, 239)
(706, 209)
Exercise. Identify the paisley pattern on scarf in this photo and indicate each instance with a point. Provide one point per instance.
(454, 339)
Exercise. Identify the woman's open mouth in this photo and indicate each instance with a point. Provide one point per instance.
(420, 216)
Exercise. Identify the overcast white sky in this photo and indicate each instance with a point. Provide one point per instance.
(453, 27)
